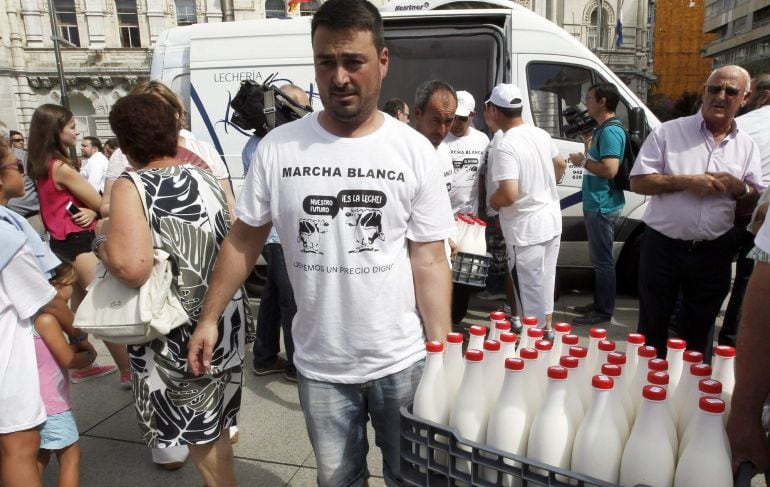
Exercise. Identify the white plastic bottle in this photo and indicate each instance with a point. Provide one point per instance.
(508, 344)
(605, 347)
(633, 342)
(675, 357)
(622, 424)
(644, 354)
(527, 322)
(470, 412)
(543, 348)
(454, 365)
(581, 353)
(724, 372)
(687, 395)
(552, 432)
(574, 403)
(559, 330)
(647, 457)
(532, 335)
(594, 336)
(533, 394)
(502, 326)
(597, 449)
(660, 379)
(511, 418)
(619, 359)
(706, 460)
(494, 371)
(494, 317)
(707, 388)
(477, 337)
(430, 398)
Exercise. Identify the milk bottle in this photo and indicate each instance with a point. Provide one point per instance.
(532, 335)
(622, 424)
(574, 403)
(559, 330)
(661, 379)
(594, 336)
(508, 345)
(543, 348)
(533, 395)
(644, 354)
(430, 398)
(687, 395)
(552, 432)
(633, 342)
(675, 359)
(647, 457)
(619, 359)
(597, 449)
(454, 366)
(604, 347)
(494, 317)
(502, 326)
(707, 388)
(706, 459)
(527, 322)
(585, 392)
(724, 372)
(511, 418)
(494, 371)
(470, 412)
(476, 340)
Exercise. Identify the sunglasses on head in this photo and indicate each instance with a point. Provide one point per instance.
(716, 89)
(15, 165)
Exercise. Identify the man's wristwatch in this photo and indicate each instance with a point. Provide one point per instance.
(746, 192)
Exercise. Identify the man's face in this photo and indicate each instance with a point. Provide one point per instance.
(725, 93)
(595, 107)
(86, 149)
(17, 141)
(435, 120)
(489, 117)
(460, 125)
(349, 73)
(403, 115)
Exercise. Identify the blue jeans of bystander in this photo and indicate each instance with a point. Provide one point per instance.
(600, 228)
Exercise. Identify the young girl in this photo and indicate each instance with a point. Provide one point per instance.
(54, 355)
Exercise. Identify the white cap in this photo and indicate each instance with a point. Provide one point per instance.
(506, 96)
(465, 104)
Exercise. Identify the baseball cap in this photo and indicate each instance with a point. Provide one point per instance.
(465, 104)
(506, 96)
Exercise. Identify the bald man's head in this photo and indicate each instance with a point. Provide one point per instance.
(296, 93)
(726, 91)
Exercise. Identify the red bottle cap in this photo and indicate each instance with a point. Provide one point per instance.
(569, 362)
(606, 345)
(529, 320)
(508, 337)
(725, 351)
(434, 347)
(611, 370)
(599, 333)
(478, 331)
(557, 372)
(562, 327)
(700, 370)
(474, 355)
(654, 393)
(535, 332)
(514, 364)
(543, 345)
(579, 352)
(693, 357)
(657, 378)
(646, 352)
(658, 364)
(528, 353)
(635, 338)
(570, 340)
(496, 315)
(676, 344)
(616, 358)
(711, 404)
(710, 386)
(492, 345)
(454, 337)
(503, 325)
(602, 382)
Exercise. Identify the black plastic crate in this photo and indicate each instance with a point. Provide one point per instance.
(471, 269)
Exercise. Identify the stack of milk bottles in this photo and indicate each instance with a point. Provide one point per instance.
(625, 418)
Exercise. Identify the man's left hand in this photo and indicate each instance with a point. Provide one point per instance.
(733, 186)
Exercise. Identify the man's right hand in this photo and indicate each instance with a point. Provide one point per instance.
(703, 185)
(201, 346)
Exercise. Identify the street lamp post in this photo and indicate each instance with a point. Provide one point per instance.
(57, 52)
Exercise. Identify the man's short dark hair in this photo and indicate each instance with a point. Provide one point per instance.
(426, 90)
(358, 15)
(11, 133)
(95, 142)
(609, 92)
(112, 143)
(762, 81)
(509, 112)
(393, 106)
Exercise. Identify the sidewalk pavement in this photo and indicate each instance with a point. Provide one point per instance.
(274, 449)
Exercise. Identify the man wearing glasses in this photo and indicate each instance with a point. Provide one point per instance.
(696, 169)
(17, 140)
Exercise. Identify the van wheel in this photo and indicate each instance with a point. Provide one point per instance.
(627, 269)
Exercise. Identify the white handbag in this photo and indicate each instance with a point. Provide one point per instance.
(117, 313)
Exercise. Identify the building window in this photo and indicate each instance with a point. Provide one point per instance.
(593, 32)
(740, 25)
(307, 9)
(67, 20)
(185, 12)
(275, 9)
(128, 22)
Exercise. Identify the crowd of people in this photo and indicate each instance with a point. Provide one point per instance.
(370, 221)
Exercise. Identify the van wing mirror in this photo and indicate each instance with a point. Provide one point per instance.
(637, 125)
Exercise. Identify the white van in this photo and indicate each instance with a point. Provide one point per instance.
(473, 45)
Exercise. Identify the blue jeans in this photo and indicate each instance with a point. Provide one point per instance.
(276, 311)
(600, 228)
(336, 416)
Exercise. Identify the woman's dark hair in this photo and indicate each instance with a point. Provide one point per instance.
(358, 15)
(44, 142)
(145, 127)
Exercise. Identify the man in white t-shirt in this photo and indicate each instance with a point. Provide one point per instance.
(95, 166)
(362, 213)
(434, 105)
(468, 147)
(526, 166)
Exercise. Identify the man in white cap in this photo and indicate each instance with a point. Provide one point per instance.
(527, 166)
(467, 146)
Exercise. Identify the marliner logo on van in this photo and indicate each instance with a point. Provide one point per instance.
(424, 6)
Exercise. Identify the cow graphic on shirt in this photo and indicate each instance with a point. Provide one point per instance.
(367, 228)
(310, 230)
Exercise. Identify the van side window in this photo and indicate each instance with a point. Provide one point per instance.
(554, 87)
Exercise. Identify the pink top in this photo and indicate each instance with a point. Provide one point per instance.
(685, 146)
(53, 207)
(54, 380)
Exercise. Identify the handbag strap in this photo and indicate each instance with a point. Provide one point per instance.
(142, 194)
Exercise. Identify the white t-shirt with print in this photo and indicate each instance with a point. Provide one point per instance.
(344, 209)
(525, 153)
(490, 186)
(23, 291)
(445, 162)
(468, 155)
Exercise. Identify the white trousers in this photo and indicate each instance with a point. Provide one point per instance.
(533, 268)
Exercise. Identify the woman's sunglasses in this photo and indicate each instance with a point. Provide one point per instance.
(716, 89)
(15, 165)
